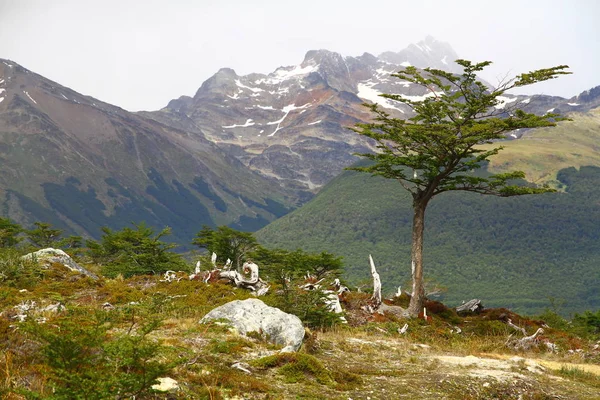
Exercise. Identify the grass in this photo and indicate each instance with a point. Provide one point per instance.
(367, 358)
(543, 152)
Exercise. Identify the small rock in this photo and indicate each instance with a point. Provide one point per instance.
(242, 367)
(166, 385)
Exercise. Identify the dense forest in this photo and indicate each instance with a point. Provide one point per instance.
(526, 253)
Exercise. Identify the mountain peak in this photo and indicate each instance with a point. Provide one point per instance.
(429, 52)
(319, 56)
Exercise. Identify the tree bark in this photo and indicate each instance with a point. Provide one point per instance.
(418, 289)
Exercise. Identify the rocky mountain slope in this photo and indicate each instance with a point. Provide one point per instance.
(292, 124)
(81, 164)
(242, 152)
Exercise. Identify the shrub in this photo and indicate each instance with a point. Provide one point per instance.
(17, 272)
(83, 357)
(136, 251)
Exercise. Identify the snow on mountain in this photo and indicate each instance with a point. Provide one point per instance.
(268, 121)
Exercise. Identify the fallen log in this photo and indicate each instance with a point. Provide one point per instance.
(473, 306)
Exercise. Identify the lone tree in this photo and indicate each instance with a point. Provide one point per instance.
(437, 149)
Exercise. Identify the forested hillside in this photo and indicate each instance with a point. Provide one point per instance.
(526, 253)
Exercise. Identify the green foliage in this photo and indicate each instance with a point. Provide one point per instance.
(17, 272)
(283, 265)
(288, 270)
(440, 142)
(227, 243)
(296, 367)
(509, 252)
(135, 252)
(437, 149)
(9, 232)
(43, 235)
(83, 359)
(308, 305)
(589, 323)
(229, 345)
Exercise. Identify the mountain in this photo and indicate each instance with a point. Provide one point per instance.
(81, 164)
(526, 253)
(242, 152)
(292, 124)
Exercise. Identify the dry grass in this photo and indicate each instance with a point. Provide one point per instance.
(543, 152)
(370, 359)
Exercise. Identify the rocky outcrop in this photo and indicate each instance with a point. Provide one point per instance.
(49, 256)
(291, 125)
(252, 315)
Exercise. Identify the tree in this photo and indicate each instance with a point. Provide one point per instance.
(437, 149)
(135, 252)
(226, 243)
(43, 235)
(9, 232)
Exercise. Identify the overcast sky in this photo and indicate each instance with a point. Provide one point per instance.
(141, 54)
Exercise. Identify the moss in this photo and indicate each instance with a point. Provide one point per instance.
(233, 345)
(297, 367)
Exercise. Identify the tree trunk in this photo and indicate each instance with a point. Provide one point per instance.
(418, 289)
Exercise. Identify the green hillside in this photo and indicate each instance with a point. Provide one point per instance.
(524, 253)
(545, 151)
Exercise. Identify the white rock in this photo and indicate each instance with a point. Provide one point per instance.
(50, 256)
(252, 315)
(166, 385)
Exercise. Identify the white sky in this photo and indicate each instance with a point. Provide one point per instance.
(141, 54)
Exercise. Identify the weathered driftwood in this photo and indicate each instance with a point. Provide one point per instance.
(515, 327)
(376, 284)
(525, 343)
(331, 297)
(253, 282)
(470, 306)
(377, 305)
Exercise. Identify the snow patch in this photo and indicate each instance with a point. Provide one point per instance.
(30, 98)
(2, 90)
(245, 125)
(1, 81)
(503, 101)
(284, 73)
(1, 99)
(573, 104)
(444, 60)
(526, 101)
(253, 89)
(420, 98)
(316, 122)
(367, 92)
(286, 110)
(66, 98)
(550, 110)
(265, 107)
(7, 64)
(405, 64)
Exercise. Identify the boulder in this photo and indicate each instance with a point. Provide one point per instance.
(252, 315)
(56, 256)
